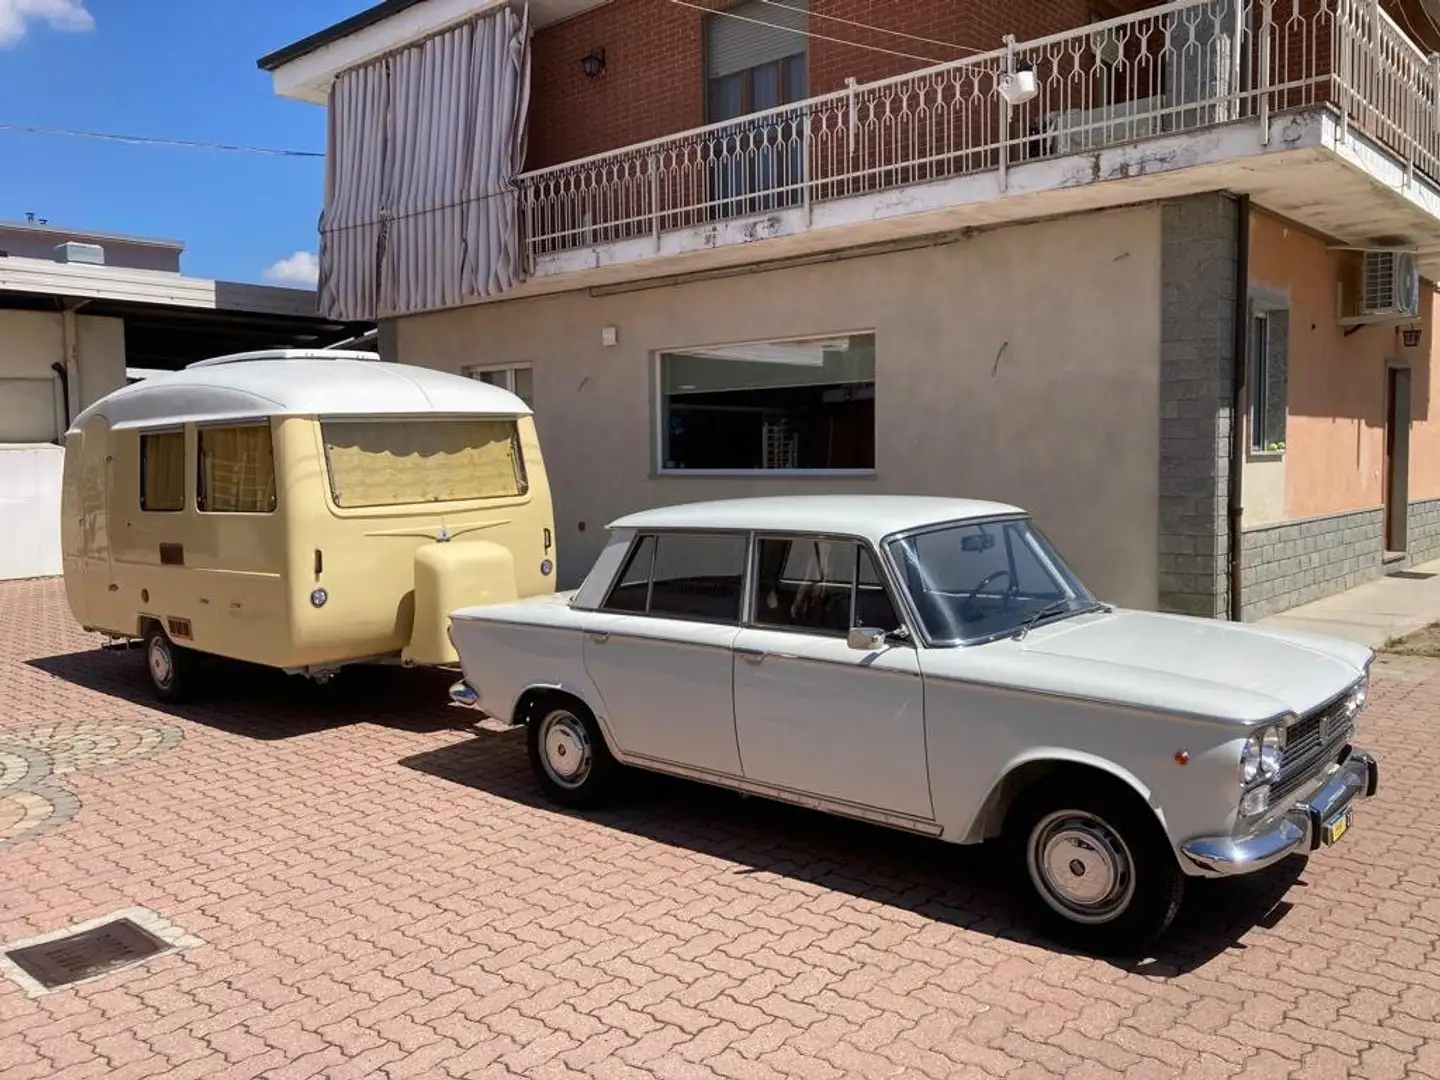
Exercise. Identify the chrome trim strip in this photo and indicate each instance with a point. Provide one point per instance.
(781, 794)
(1297, 829)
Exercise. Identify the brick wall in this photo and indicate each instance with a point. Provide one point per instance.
(654, 80)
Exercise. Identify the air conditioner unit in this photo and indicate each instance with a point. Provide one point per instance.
(1389, 285)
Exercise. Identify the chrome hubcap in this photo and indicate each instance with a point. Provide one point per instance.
(565, 748)
(162, 667)
(1081, 866)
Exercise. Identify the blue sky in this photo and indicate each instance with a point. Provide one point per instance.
(178, 69)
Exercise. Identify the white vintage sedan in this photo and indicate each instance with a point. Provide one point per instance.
(933, 665)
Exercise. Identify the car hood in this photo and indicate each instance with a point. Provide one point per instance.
(1216, 663)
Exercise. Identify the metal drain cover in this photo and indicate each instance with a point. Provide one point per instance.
(87, 954)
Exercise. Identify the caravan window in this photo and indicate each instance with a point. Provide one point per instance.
(162, 471)
(400, 462)
(237, 470)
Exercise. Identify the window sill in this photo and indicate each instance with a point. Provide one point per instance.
(781, 474)
(1265, 455)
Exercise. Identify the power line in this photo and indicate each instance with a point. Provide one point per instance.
(806, 33)
(867, 26)
(145, 140)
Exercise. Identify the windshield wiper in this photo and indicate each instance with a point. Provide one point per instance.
(1056, 608)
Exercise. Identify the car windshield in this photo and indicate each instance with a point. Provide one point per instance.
(982, 580)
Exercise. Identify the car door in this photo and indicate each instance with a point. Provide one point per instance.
(811, 713)
(658, 651)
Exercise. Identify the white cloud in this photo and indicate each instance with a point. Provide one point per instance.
(66, 15)
(300, 269)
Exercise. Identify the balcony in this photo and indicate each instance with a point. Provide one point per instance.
(1323, 110)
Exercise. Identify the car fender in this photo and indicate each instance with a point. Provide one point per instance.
(585, 692)
(989, 815)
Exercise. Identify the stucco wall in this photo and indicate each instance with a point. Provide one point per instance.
(1065, 422)
(1335, 431)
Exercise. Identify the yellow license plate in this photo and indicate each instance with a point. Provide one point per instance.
(1335, 828)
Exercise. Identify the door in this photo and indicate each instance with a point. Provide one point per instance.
(97, 571)
(757, 165)
(659, 651)
(1397, 458)
(72, 527)
(813, 714)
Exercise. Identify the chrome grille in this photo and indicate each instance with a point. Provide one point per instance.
(1311, 743)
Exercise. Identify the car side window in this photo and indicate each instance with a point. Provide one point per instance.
(683, 577)
(631, 592)
(820, 586)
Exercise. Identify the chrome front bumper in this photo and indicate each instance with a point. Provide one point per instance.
(1301, 828)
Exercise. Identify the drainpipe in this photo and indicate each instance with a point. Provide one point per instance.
(1237, 406)
(59, 370)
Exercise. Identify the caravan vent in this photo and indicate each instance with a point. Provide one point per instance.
(1391, 284)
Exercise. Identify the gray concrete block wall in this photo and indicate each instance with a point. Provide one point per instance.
(1299, 561)
(1197, 343)
(1423, 526)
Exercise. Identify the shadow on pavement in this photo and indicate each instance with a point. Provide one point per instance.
(962, 886)
(263, 703)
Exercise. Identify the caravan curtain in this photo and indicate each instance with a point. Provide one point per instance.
(421, 208)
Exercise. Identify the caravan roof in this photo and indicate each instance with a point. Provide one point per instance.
(298, 382)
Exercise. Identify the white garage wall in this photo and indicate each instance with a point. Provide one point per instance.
(30, 511)
(32, 412)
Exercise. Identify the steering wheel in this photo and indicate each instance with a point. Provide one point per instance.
(969, 600)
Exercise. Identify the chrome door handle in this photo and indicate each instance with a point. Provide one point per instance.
(600, 637)
(752, 656)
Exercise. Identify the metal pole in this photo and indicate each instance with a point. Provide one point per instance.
(655, 199)
(1263, 89)
(805, 195)
(1005, 116)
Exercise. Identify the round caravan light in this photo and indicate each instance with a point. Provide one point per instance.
(318, 597)
(546, 566)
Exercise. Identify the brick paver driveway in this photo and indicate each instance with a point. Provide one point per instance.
(376, 891)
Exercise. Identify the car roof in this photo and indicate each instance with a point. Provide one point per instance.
(872, 517)
(298, 382)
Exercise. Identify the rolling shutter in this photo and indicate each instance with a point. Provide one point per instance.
(733, 44)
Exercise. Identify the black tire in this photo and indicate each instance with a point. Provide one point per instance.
(1135, 883)
(568, 754)
(171, 668)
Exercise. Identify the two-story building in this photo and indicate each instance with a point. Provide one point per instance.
(1160, 273)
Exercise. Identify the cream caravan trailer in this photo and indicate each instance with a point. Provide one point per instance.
(301, 509)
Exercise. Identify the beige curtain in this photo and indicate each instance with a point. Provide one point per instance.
(423, 147)
(162, 480)
(389, 463)
(237, 470)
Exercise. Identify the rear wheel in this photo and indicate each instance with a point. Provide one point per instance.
(171, 668)
(568, 754)
(1095, 866)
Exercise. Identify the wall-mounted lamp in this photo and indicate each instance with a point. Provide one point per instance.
(593, 63)
(1411, 336)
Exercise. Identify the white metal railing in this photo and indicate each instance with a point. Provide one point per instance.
(1181, 66)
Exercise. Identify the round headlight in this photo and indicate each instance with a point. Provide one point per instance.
(1272, 748)
(1250, 759)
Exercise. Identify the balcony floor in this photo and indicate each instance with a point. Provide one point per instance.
(1311, 170)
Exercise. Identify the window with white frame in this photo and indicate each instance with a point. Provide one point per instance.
(805, 405)
(1269, 380)
(519, 379)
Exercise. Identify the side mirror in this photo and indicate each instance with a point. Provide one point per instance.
(865, 638)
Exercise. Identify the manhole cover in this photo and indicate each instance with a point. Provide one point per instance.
(88, 954)
(1412, 575)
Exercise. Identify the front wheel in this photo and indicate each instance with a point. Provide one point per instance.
(568, 754)
(1096, 867)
